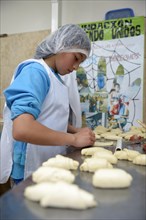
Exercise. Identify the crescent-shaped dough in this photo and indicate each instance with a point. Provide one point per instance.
(112, 137)
(131, 153)
(91, 150)
(111, 178)
(140, 160)
(96, 135)
(62, 162)
(61, 195)
(121, 155)
(110, 157)
(93, 164)
(103, 144)
(52, 174)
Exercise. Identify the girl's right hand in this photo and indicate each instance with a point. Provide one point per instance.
(85, 137)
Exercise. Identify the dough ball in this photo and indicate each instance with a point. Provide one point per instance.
(52, 174)
(140, 160)
(111, 178)
(93, 164)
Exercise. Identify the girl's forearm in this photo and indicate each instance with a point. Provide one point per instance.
(27, 129)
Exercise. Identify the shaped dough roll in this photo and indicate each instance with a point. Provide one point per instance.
(52, 174)
(140, 160)
(110, 157)
(121, 155)
(91, 150)
(93, 164)
(111, 178)
(112, 137)
(103, 144)
(100, 130)
(60, 195)
(96, 135)
(36, 192)
(62, 162)
(131, 153)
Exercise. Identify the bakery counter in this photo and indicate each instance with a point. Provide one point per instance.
(123, 204)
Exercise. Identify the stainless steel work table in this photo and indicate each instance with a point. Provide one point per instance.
(113, 204)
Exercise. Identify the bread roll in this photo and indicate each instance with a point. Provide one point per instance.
(91, 150)
(93, 164)
(60, 195)
(62, 162)
(52, 174)
(140, 160)
(111, 178)
(110, 157)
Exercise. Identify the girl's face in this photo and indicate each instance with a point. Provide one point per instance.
(65, 62)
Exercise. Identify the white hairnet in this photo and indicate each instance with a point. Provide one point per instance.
(68, 38)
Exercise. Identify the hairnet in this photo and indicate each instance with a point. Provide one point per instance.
(68, 38)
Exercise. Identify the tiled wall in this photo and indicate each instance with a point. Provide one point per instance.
(14, 49)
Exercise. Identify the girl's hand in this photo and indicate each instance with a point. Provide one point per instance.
(84, 137)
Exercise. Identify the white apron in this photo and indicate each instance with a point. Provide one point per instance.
(54, 114)
(74, 99)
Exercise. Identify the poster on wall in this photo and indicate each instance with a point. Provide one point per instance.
(110, 81)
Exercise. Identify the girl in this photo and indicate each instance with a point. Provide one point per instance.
(36, 113)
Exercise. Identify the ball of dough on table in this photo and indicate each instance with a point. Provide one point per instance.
(140, 160)
(93, 164)
(60, 195)
(52, 174)
(110, 157)
(111, 178)
(62, 162)
(91, 150)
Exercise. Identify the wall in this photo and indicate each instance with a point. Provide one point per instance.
(80, 11)
(14, 49)
(19, 16)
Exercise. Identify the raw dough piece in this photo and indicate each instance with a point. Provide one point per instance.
(112, 137)
(131, 154)
(96, 135)
(61, 195)
(116, 131)
(103, 144)
(140, 160)
(110, 157)
(121, 155)
(93, 164)
(91, 150)
(111, 178)
(52, 174)
(62, 162)
(100, 130)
